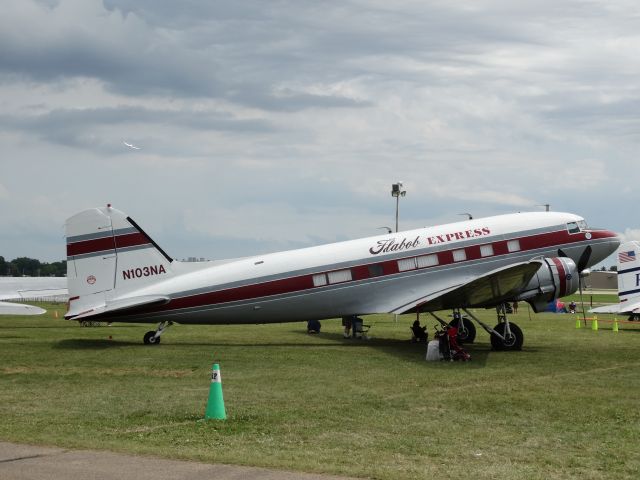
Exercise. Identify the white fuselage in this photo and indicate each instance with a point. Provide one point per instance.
(386, 273)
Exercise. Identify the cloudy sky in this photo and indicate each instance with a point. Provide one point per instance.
(271, 125)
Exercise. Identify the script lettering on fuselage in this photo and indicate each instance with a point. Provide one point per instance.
(143, 272)
(463, 235)
(391, 245)
(637, 279)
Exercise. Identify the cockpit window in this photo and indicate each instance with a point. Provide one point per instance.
(573, 227)
(582, 225)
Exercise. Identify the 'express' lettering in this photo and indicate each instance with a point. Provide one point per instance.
(448, 237)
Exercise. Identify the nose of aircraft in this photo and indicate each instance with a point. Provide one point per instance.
(605, 242)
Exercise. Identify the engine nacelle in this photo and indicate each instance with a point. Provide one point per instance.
(557, 277)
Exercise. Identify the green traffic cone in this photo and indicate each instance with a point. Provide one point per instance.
(215, 404)
(594, 324)
(615, 324)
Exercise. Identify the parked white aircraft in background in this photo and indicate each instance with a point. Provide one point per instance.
(628, 282)
(29, 288)
(116, 272)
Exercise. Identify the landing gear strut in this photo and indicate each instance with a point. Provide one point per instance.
(153, 337)
(466, 328)
(505, 335)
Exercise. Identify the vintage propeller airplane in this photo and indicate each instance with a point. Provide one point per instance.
(117, 273)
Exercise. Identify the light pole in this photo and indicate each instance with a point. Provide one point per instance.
(396, 191)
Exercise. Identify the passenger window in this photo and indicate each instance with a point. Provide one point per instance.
(319, 280)
(406, 264)
(376, 270)
(459, 255)
(486, 250)
(339, 276)
(427, 260)
(513, 245)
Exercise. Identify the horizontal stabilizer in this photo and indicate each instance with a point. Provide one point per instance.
(7, 308)
(121, 305)
(617, 308)
(490, 289)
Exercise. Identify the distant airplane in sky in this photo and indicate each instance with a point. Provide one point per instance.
(628, 282)
(131, 146)
(116, 272)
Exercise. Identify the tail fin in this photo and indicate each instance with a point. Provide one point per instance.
(109, 255)
(629, 273)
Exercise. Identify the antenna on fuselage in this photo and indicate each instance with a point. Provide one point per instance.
(545, 205)
(467, 214)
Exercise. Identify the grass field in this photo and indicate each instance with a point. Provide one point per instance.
(567, 406)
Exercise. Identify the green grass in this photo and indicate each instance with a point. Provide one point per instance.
(565, 407)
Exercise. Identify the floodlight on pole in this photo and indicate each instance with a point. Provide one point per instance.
(397, 191)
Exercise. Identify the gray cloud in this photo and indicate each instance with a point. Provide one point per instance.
(297, 115)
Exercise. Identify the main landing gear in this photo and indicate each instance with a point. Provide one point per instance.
(153, 337)
(466, 328)
(505, 335)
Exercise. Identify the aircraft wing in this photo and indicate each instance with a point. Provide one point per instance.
(8, 308)
(486, 290)
(617, 308)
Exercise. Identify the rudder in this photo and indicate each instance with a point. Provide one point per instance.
(628, 271)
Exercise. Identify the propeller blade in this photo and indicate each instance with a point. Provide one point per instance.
(584, 258)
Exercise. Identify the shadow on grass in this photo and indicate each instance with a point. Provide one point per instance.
(405, 349)
(402, 349)
(92, 344)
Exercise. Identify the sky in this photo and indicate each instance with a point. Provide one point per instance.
(265, 126)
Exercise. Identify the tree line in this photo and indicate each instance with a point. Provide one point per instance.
(30, 267)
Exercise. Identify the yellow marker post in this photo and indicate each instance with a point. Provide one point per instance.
(594, 324)
(578, 323)
(615, 324)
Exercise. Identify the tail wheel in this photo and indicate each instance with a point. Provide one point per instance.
(510, 342)
(466, 331)
(150, 338)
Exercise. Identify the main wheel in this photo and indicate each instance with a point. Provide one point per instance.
(150, 338)
(466, 331)
(511, 342)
